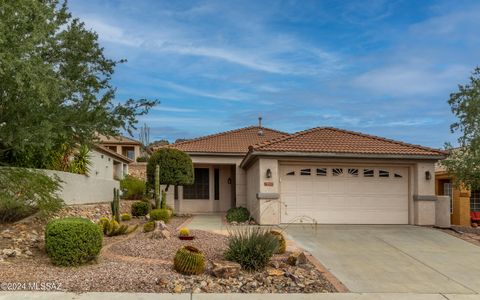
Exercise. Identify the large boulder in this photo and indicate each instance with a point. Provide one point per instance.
(225, 269)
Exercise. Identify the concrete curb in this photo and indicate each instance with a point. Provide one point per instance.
(154, 296)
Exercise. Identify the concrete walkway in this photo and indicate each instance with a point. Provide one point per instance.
(393, 259)
(153, 296)
(208, 222)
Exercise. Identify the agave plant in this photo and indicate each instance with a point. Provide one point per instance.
(81, 162)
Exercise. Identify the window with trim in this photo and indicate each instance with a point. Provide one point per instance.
(321, 171)
(216, 179)
(383, 173)
(200, 189)
(353, 172)
(448, 191)
(337, 171)
(305, 172)
(475, 201)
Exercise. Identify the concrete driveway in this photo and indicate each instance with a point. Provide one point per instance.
(405, 259)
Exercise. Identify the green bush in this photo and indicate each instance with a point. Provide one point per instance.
(132, 188)
(24, 192)
(176, 168)
(238, 214)
(160, 215)
(251, 247)
(72, 241)
(142, 159)
(140, 209)
(125, 217)
(149, 226)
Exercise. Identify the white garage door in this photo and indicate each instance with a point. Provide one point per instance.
(344, 194)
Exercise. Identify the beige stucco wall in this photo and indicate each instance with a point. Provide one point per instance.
(211, 205)
(81, 189)
(102, 165)
(253, 187)
(267, 211)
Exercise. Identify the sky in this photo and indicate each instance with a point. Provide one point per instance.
(379, 67)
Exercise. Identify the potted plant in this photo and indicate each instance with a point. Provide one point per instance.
(184, 234)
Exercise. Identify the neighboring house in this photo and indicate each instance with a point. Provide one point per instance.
(323, 175)
(108, 164)
(462, 201)
(122, 145)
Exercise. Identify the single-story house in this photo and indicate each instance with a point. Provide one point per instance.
(320, 175)
(462, 200)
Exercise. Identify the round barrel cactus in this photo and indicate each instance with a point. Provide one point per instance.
(189, 261)
(282, 245)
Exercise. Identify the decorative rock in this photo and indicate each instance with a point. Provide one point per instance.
(275, 272)
(297, 258)
(9, 252)
(225, 269)
(161, 231)
(474, 225)
(178, 288)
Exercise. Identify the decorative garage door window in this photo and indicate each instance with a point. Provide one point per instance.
(383, 173)
(291, 173)
(353, 172)
(337, 171)
(321, 171)
(368, 173)
(305, 172)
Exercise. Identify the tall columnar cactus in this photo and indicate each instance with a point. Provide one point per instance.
(115, 205)
(157, 186)
(163, 204)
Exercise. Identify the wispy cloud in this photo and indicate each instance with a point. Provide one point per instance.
(174, 109)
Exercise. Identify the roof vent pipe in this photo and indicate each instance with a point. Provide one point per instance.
(260, 131)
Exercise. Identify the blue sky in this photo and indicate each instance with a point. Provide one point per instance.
(379, 67)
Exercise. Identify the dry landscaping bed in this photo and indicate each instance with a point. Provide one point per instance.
(469, 234)
(138, 263)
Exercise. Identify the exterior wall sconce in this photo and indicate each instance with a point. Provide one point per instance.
(229, 181)
(269, 173)
(428, 175)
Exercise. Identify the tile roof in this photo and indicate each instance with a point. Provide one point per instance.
(333, 140)
(117, 140)
(233, 141)
(113, 154)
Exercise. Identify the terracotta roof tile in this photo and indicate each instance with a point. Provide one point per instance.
(333, 140)
(233, 141)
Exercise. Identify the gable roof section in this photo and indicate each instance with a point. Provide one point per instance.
(117, 140)
(328, 140)
(229, 142)
(113, 154)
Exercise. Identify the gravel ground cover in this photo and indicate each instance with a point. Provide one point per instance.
(469, 234)
(138, 263)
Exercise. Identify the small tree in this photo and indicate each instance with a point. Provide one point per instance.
(464, 163)
(176, 168)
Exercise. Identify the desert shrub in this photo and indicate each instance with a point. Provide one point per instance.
(140, 209)
(132, 187)
(238, 214)
(113, 228)
(24, 192)
(142, 159)
(149, 226)
(282, 244)
(189, 261)
(251, 247)
(160, 215)
(125, 217)
(72, 241)
(184, 231)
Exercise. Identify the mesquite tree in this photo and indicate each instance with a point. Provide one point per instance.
(464, 162)
(55, 84)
